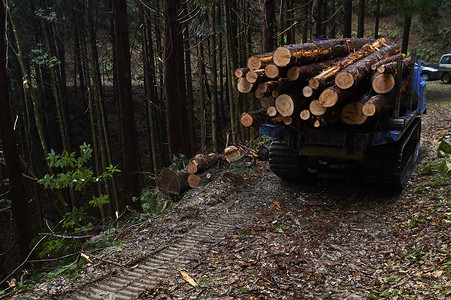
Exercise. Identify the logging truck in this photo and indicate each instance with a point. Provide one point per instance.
(333, 105)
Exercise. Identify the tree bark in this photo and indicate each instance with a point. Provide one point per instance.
(406, 34)
(213, 82)
(179, 128)
(377, 19)
(347, 18)
(130, 153)
(361, 22)
(17, 192)
(267, 25)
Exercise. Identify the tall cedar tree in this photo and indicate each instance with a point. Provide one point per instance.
(361, 23)
(17, 193)
(347, 18)
(130, 164)
(267, 25)
(179, 127)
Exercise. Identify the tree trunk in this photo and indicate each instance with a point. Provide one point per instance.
(179, 128)
(406, 34)
(361, 21)
(347, 18)
(377, 17)
(130, 167)
(17, 192)
(267, 25)
(213, 82)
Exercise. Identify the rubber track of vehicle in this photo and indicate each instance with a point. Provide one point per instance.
(129, 283)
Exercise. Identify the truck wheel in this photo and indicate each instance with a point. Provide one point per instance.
(285, 161)
(425, 76)
(391, 165)
(445, 78)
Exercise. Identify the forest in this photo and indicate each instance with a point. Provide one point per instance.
(98, 96)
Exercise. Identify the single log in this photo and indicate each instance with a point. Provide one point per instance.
(392, 67)
(269, 86)
(259, 61)
(271, 111)
(266, 102)
(240, 72)
(352, 114)
(375, 104)
(193, 180)
(316, 108)
(317, 123)
(307, 91)
(202, 162)
(287, 104)
(316, 51)
(304, 114)
(272, 71)
(287, 120)
(307, 71)
(254, 118)
(231, 152)
(362, 68)
(366, 50)
(259, 94)
(256, 76)
(332, 95)
(382, 83)
(244, 86)
(389, 59)
(173, 183)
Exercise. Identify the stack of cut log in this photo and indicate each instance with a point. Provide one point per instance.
(324, 82)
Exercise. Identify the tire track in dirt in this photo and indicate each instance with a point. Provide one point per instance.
(130, 282)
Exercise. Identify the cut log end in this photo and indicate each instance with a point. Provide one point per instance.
(316, 108)
(287, 120)
(282, 56)
(328, 97)
(314, 83)
(368, 109)
(352, 114)
(271, 111)
(240, 72)
(304, 114)
(307, 91)
(254, 62)
(246, 120)
(244, 86)
(193, 180)
(383, 83)
(272, 71)
(344, 80)
(293, 73)
(285, 105)
(259, 94)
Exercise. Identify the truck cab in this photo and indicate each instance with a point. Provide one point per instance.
(444, 68)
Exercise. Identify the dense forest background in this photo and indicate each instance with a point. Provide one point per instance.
(106, 93)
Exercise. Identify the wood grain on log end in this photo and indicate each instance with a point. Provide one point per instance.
(352, 114)
(272, 71)
(240, 72)
(254, 62)
(244, 86)
(304, 114)
(313, 83)
(383, 83)
(368, 109)
(282, 56)
(344, 80)
(271, 111)
(316, 108)
(285, 105)
(246, 120)
(287, 120)
(293, 73)
(328, 97)
(307, 91)
(193, 180)
(259, 94)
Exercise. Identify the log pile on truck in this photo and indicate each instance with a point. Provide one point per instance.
(324, 83)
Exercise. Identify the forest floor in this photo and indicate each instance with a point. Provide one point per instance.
(330, 239)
